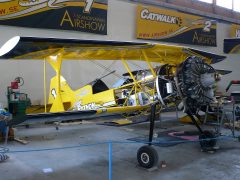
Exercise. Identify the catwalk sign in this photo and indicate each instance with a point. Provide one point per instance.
(171, 26)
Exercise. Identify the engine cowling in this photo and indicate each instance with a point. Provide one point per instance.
(165, 85)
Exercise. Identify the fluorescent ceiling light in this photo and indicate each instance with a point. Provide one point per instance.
(9, 45)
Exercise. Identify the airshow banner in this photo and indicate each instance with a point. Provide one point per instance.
(235, 31)
(171, 26)
(80, 15)
(232, 46)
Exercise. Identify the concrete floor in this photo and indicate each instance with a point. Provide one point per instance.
(184, 161)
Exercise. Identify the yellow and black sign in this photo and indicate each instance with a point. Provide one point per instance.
(235, 31)
(232, 46)
(81, 15)
(171, 26)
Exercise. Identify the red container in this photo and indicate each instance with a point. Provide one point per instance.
(14, 85)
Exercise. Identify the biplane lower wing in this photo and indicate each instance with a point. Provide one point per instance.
(51, 117)
(74, 115)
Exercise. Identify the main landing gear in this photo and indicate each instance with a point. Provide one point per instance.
(147, 156)
(207, 139)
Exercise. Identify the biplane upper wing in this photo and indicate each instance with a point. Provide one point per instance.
(73, 49)
(232, 46)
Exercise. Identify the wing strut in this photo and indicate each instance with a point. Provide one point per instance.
(128, 70)
(131, 75)
(149, 64)
(45, 86)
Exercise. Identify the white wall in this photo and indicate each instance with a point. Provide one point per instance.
(121, 26)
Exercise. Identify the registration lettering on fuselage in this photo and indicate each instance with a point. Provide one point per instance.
(89, 106)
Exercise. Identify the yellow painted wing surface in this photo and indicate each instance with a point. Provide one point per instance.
(73, 49)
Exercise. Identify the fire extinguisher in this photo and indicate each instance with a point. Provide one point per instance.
(18, 81)
(14, 87)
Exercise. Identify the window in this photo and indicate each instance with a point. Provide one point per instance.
(236, 5)
(225, 3)
(207, 1)
(229, 4)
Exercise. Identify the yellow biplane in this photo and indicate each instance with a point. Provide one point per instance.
(183, 77)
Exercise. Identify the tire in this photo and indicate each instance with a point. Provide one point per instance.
(147, 156)
(3, 157)
(210, 143)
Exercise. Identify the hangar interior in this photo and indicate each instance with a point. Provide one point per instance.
(94, 149)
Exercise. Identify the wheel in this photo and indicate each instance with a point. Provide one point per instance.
(147, 156)
(210, 143)
(3, 157)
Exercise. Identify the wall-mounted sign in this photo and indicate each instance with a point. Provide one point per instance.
(171, 26)
(235, 31)
(232, 46)
(80, 15)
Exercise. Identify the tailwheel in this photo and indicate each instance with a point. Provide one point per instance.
(210, 141)
(147, 156)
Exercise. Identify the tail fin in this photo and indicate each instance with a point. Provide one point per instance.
(61, 101)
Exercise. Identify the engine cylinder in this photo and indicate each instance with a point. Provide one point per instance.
(196, 82)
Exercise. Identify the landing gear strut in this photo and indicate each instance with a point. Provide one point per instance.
(147, 156)
(206, 138)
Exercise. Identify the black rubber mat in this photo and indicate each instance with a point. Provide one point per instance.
(164, 139)
(111, 123)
